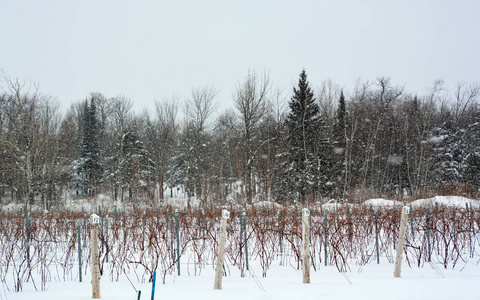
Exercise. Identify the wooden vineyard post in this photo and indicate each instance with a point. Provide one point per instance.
(94, 221)
(401, 241)
(221, 249)
(306, 245)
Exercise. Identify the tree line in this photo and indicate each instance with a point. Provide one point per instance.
(307, 144)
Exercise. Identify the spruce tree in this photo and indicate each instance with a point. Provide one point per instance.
(90, 167)
(302, 122)
(339, 146)
(340, 124)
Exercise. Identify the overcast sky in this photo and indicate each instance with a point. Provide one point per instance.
(149, 50)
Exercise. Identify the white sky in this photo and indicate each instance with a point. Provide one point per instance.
(150, 50)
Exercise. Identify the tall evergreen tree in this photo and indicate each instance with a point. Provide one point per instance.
(303, 123)
(89, 165)
(340, 123)
(339, 146)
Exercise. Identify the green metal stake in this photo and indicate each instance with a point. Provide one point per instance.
(178, 241)
(394, 228)
(454, 227)
(428, 235)
(244, 215)
(79, 238)
(106, 236)
(350, 227)
(27, 223)
(376, 236)
(326, 236)
(171, 236)
(411, 222)
(203, 227)
(280, 237)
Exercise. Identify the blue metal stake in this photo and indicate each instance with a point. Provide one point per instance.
(153, 284)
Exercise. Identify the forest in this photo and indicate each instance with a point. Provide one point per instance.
(307, 142)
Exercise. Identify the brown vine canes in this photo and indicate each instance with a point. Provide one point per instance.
(234, 251)
(54, 236)
(263, 248)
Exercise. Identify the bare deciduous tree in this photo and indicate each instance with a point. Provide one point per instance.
(166, 129)
(121, 108)
(198, 109)
(250, 100)
(200, 106)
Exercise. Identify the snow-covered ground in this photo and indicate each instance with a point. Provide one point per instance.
(371, 281)
(283, 282)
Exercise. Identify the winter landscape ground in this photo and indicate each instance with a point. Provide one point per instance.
(369, 282)
(450, 235)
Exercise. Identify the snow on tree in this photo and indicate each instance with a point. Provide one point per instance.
(88, 168)
(448, 161)
(134, 166)
(472, 161)
(304, 168)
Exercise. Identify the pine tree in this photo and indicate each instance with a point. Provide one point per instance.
(302, 122)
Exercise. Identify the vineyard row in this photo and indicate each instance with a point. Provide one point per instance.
(43, 247)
